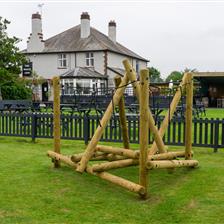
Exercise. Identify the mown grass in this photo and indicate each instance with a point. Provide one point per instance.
(31, 191)
(214, 113)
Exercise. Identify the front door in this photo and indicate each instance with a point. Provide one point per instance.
(45, 91)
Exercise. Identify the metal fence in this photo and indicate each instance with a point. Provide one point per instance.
(206, 132)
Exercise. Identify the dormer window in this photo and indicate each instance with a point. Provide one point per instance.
(62, 61)
(89, 59)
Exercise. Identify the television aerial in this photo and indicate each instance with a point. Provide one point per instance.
(40, 6)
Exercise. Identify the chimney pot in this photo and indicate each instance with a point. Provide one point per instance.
(112, 23)
(36, 16)
(85, 15)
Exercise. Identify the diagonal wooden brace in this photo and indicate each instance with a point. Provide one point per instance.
(103, 123)
(169, 114)
(122, 117)
(132, 77)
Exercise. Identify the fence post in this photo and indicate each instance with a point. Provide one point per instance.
(216, 135)
(33, 126)
(86, 128)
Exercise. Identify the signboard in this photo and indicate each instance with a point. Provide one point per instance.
(27, 69)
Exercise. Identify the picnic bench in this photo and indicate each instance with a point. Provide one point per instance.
(15, 105)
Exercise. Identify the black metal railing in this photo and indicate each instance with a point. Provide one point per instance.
(205, 133)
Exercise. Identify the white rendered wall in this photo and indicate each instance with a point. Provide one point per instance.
(35, 43)
(98, 61)
(46, 65)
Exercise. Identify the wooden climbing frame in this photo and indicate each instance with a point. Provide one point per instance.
(147, 158)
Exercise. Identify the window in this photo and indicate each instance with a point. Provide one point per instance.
(89, 59)
(83, 86)
(68, 87)
(62, 61)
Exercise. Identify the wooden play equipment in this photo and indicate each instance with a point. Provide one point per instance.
(155, 157)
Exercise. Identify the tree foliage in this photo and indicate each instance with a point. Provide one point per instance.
(10, 57)
(174, 76)
(11, 85)
(178, 75)
(155, 75)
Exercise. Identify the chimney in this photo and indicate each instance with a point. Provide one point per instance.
(85, 25)
(112, 30)
(35, 41)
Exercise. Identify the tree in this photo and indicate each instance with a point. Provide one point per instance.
(155, 75)
(174, 76)
(10, 57)
(12, 86)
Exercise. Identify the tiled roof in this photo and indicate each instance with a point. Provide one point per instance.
(83, 72)
(70, 41)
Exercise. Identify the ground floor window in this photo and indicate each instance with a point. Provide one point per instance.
(68, 86)
(83, 86)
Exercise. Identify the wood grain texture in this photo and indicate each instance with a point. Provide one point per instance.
(56, 118)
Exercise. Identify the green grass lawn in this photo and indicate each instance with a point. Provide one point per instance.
(215, 113)
(31, 191)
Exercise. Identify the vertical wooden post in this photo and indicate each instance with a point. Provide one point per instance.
(122, 116)
(188, 116)
(56, 131)
(144, 130)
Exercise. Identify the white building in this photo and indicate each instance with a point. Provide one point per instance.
(83, 47)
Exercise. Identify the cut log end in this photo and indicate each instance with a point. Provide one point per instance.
(79, 169)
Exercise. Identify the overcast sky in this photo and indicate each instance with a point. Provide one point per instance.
(172, 35)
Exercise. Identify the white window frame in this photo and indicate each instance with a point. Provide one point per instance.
(89, 59)
(62, 61)
(68, 86)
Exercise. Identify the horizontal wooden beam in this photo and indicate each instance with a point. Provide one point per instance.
(113, 157)
(77, 157)
(59, 157)
(118, 151)
(167, 155)
(114, 165)
(163, 164)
